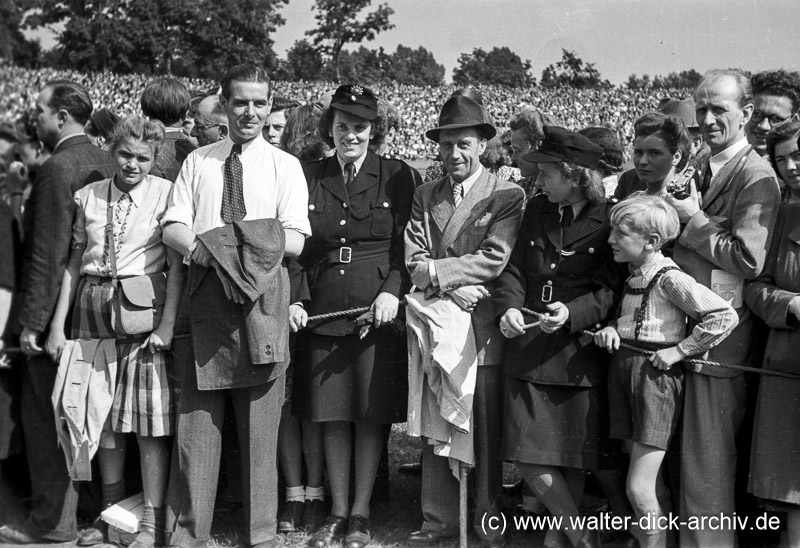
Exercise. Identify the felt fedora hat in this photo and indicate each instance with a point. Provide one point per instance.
(562, 145)
(682, 108)
(462, 112)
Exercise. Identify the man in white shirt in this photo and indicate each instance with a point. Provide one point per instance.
(242, 178)
(724, 242)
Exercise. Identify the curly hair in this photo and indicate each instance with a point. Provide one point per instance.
(588, 180)
(668, 127)
(326, 126)
(787, 131)
(532, 123)
(139, 128)
(780, 83)
(300, 137)
(495, 155)
(613, 154)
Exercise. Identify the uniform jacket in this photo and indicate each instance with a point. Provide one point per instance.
(584, 277)
(469, 245)
(732, 233)
(48, 222)
(238, 345)
(174, 150)
(769, 295)
(365, 220)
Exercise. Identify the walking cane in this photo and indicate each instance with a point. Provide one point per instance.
(463, 470)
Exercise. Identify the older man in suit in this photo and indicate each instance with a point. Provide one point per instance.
(724, 243)
(459, 239)
(62, 109)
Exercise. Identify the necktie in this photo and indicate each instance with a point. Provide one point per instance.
(567, 214)
(457, 190)
(233, 208)
(121, 211)
(349, 173)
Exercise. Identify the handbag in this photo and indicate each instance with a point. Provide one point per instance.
(139, 300)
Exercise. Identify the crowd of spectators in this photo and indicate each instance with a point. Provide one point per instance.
(615, 107)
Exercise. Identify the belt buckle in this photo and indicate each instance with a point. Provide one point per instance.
(345, 255)
(547, 293)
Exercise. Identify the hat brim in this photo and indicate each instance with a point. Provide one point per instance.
(359, 110)
(488, 129)
(537, 157)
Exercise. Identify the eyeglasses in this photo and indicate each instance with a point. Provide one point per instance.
(774, 119)
(201, 127)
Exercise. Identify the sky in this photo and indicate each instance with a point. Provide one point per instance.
(620, 37)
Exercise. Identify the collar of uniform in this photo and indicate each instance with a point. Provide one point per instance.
(577, 207)
(357, 164)
(71, 136)
(650, 267)
(469, 182)
(173, 130)
(719, 160)
(137, 193)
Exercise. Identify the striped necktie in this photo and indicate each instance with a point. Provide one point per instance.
(457, 189)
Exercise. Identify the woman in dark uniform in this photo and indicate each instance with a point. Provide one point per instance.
(562, 268)
(359, 204)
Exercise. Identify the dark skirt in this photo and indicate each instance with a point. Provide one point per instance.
(347, 379)
(551, 425)
(775, 456)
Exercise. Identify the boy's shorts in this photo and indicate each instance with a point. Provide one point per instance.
(644, 401)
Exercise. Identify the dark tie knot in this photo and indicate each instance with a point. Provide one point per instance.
(236, 149)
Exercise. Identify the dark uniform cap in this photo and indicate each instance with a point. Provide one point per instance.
(561, 145)
(462, 112)
(356, 100)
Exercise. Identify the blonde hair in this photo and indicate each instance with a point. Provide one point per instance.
(139, 128)
(647, 214)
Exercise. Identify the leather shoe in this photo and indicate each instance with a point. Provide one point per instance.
(94, 535)
(412, 469)
(428, 538)
(291, 518)
(331, 530)
(357, 532)
(19, 535)
(494, 542)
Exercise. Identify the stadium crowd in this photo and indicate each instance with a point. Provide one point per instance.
(183, 260)
(615, 107)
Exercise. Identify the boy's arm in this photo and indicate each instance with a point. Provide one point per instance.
(715, 317)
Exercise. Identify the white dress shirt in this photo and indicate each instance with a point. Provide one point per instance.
(274, 187)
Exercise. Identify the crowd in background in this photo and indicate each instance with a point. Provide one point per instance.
(574, 108)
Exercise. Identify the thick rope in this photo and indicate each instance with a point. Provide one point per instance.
(693, 361)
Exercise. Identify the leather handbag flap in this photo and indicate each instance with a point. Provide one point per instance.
(145, 291)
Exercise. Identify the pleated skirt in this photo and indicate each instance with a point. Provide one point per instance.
(144, 395)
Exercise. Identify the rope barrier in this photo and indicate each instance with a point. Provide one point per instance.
(693, 361)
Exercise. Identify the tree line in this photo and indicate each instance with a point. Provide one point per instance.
(202, 38)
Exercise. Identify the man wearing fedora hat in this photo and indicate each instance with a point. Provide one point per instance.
(459, 239)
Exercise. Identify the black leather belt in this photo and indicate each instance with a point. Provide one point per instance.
(346, 255)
